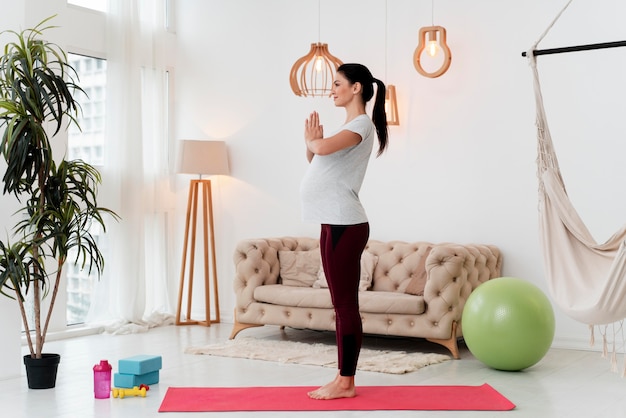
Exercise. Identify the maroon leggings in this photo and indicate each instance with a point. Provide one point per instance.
(341, 247)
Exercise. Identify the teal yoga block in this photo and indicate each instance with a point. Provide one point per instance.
(140, 364)
(121, 380)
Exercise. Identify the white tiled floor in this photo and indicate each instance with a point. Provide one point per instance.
(566, 383)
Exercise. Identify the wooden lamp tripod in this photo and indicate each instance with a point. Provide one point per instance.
(200, 157)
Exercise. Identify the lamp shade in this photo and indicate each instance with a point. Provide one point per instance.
(203, 157)
(436, 41)
(391, 105)
(313, 74)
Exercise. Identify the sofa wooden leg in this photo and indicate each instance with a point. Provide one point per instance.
(239, 326)
(450, 343)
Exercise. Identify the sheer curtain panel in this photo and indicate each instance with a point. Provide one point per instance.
(135, 291)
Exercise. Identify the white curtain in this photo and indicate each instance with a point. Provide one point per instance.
(139, 275)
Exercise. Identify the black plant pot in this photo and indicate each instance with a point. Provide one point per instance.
(42, 372)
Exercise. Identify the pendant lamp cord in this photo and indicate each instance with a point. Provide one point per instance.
(385, 41)
(319, 21)
(432, 13)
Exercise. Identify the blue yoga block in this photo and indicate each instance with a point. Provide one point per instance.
(121, 380)
(140, 364)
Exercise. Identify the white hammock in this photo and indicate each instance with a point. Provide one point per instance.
(587, 280)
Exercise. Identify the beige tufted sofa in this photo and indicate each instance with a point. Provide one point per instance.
(391, 306)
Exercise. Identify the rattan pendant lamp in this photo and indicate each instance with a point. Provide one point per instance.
(313, 74)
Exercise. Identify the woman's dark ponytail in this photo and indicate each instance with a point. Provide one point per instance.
(359, 73)
(379, 116)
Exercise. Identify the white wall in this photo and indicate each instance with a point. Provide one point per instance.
(460, 167)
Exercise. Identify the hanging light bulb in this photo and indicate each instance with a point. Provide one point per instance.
(433, 48)
(436, 42)
(319, 63)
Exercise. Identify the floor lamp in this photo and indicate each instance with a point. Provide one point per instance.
(201, 158)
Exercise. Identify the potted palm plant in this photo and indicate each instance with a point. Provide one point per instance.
(57, 196)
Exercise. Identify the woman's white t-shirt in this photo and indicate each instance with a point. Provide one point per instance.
(330, 188)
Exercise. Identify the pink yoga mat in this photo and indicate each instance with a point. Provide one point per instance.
(295, 398)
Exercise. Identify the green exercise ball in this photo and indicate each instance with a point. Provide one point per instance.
(508, 323)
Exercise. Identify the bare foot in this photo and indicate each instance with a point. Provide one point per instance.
(341, 387)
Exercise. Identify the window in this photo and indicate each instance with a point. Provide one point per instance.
(99, 5)
(80, 287)
(86, 144)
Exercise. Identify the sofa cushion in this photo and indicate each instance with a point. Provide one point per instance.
(299, 268)
(368, 262)
(398, 264)
(419, 276)
(371, 301)
(301, 297)
(391, 303)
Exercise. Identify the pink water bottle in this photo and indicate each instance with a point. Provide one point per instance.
(102, 380)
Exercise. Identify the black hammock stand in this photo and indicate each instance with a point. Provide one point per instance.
(588, 47)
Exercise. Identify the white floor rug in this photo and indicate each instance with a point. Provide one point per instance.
(383, 361)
